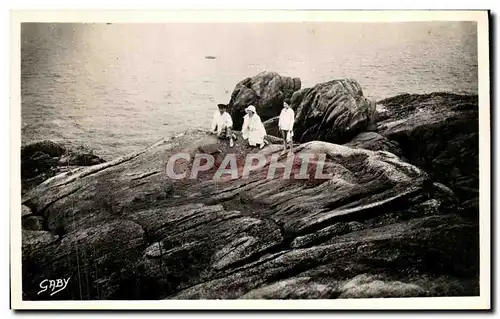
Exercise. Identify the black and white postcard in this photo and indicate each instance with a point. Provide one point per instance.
(250, 160)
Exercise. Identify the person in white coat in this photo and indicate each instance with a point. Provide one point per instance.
(285, 124)
(252, 128)
(222, 124)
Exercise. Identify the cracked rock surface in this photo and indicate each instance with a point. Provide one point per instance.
(376, 227)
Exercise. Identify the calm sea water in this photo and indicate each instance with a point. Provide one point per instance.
(118, 87)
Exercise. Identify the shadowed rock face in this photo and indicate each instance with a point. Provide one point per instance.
(439, 133)
(271, 126)
(375, 142)
(333, 111)
(124, 230)
(266, 91)
(44, 159)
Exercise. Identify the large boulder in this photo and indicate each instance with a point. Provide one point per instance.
(333, 111)
(369, 226)
(439, 133)
(266, 91)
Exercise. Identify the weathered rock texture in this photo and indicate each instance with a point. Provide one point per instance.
(375, 142)
(124, 230)
(266, 91)
(439, 133)
(333, 111)
(44, 159)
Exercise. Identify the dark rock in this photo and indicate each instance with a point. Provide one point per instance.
(430, 207)
(297, 97)
(39, 163)
(336, 229)
(33, 223)
(43, 160)
(25, 211)
(93, 258)
(334, 111)
(353, 226)
(47, 147)
(444, 193)
(266, 91)
(375, 142)
(72, 158)
(469, 209)
(297, 84)
(271, 126)
(36, 239)
(437, 132)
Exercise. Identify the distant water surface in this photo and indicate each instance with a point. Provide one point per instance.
(118, 87)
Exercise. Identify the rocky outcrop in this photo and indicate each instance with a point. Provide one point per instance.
(439, 133)
(44, 159)
(266, 91)
(334, 111)
(375, 142)
(93, 257)
(370, 226)
(387, 261)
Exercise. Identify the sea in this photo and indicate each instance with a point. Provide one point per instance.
(116, 88)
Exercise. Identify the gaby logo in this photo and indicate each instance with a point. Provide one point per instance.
(234, 166)
(53, 286)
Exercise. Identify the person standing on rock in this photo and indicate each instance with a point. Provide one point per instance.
(253, 129)
(222, 124)
(285, 125)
